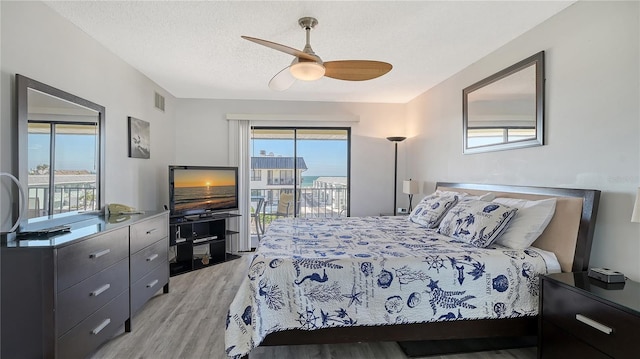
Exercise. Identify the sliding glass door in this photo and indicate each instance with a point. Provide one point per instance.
(298, 172)
(63, 159)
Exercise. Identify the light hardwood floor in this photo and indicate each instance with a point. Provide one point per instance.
(189, 323)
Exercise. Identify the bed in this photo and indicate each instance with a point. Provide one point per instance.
(317, 281)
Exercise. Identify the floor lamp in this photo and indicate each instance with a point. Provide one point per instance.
(395, 140)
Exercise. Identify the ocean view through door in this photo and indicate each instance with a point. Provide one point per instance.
(298, 172)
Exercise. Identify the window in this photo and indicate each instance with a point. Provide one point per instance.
(256, 175)
(62, 168)
(478, 137)
(309, 164)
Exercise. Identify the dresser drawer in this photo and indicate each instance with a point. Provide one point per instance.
(83, 259)
(147, 286)
(581, 316)
(95, 330)
(149, 258)
(146, 232)
(79, 301)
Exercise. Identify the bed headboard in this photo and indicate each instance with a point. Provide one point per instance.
(569, 234)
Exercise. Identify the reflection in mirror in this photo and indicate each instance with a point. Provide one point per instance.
(60, 153)
(506, 110)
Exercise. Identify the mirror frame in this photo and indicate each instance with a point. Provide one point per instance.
(23, 84)
(536, 60)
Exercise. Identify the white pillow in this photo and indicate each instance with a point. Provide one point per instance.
(477, 222)
(488, 197)
(531, 220)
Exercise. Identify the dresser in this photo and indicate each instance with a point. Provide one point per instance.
(581, 317)
(64, 295)
(149, 261)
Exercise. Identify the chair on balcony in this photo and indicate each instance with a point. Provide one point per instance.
(285, 205)
(255, 215)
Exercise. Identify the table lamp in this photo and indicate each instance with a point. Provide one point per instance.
(410, 187)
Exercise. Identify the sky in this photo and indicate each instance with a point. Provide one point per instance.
(203, 178)
(73, 151)
(323, 157)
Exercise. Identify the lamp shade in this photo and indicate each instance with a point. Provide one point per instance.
(635, 217)
(396, 138)
(307, 70)
(410, 187)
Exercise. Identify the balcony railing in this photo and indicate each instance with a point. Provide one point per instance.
(66, 199)
(311, 202)
(280, 181)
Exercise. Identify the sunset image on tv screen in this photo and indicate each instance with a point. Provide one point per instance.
(199, 190)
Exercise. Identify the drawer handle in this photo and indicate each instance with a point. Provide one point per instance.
(592, 323)
(99, 254)
(152, 283)
(100, 290)
(152, 257)
(151, 230)
(102, 325)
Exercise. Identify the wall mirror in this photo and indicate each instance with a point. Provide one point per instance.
(60, 154)
(505, 110)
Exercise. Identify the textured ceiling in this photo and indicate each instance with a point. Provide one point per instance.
(193, 49)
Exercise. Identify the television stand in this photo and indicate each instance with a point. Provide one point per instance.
(198, 241)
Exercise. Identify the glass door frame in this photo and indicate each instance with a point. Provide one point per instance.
(295, 156)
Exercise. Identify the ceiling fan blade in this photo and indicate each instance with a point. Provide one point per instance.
(283, 48)
(282, 80)
(356, 70)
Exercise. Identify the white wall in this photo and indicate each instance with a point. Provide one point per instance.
(201, 131)
(38, 43)
(592, 122)
(592, 118)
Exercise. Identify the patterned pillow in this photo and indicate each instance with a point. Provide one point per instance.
(477, 222)
(430, 211)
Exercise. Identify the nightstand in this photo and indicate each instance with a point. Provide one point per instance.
(580, 318)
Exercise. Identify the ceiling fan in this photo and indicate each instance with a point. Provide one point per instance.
(308, 66)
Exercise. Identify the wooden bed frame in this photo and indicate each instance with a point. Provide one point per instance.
(464, 329)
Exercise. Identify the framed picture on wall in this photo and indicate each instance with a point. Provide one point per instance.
(139, 138)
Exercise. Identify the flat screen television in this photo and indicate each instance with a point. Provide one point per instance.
(202, 189)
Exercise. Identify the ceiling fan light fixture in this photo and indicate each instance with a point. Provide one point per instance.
(307, 70)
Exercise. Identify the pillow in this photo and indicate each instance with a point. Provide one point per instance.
(477, 222)
(489, 196)
(533, 217)
(430, 211)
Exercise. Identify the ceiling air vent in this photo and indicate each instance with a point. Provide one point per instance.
(159, 102)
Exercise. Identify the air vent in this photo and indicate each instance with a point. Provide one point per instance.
(159, 102)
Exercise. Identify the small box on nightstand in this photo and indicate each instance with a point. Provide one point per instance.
(606, 275)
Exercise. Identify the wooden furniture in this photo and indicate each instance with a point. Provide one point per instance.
(583, 317)
(198, 241)
(64, 295)
(149, 250)
(574, 222)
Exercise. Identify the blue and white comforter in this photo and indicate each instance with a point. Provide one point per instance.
(363, 271)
